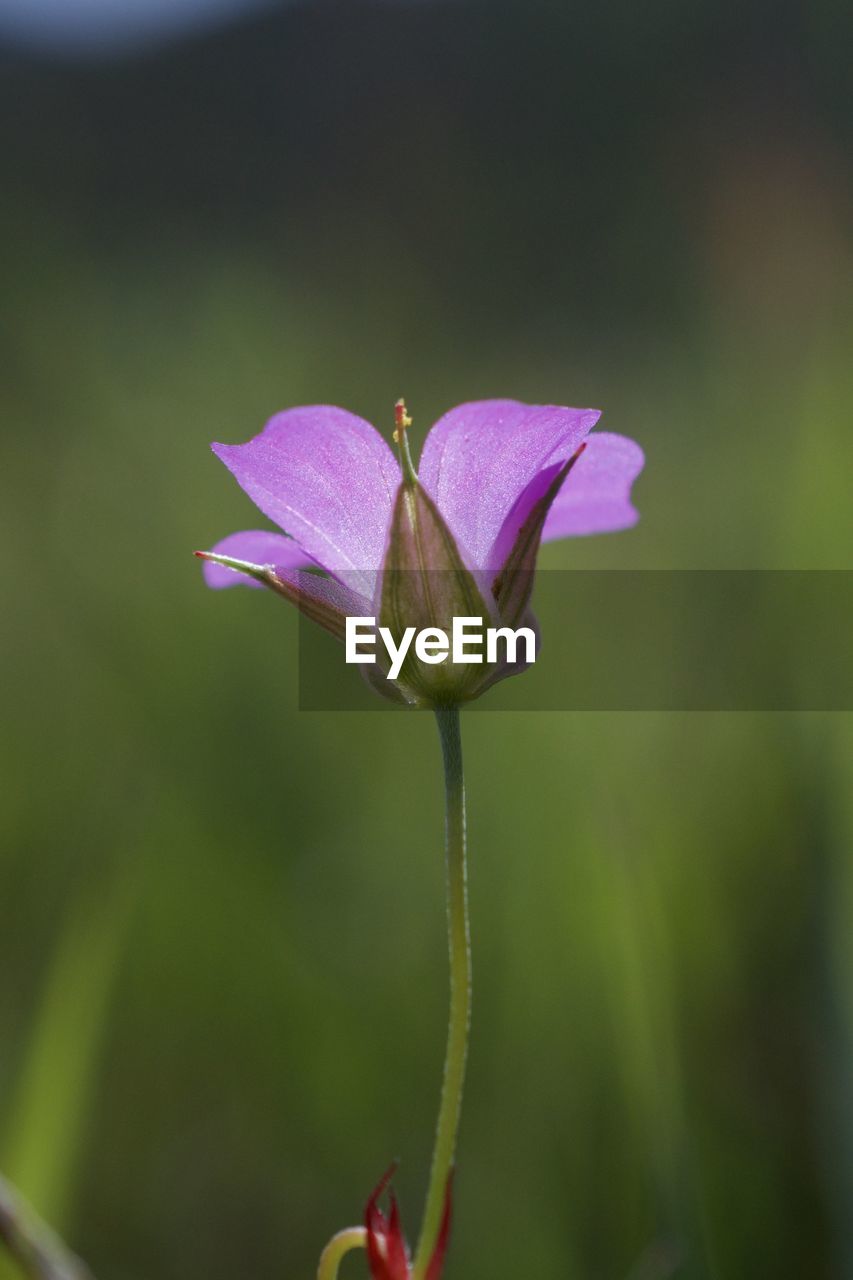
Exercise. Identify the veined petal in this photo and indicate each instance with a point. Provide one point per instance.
(596, 496)
(328, 479)
(258, 546)
(480, 458)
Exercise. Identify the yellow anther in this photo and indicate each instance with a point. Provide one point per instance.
(402, 420)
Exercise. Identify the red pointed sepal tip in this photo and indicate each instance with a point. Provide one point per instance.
(436, 1262)
(387, 1255)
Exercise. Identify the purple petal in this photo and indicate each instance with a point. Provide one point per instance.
(258, 546)
(480, 458)
(596, 497)
(328, 479)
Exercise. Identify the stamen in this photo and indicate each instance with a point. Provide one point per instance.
(402, 419)
(401, 440)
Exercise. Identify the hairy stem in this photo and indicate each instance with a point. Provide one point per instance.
(40, 1254)
(460, 988)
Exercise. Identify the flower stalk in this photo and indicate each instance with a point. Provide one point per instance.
(459, 940)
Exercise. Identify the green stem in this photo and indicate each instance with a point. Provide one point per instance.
(460, 988)
(330, 1258)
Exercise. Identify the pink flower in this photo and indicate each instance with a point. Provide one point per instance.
(495, 478)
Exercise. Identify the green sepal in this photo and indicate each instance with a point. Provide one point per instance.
(425, 583)
(513, 585)
(311, 603)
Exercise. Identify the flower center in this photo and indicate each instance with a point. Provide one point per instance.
(402, 422)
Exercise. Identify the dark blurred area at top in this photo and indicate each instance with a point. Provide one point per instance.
(518, 154)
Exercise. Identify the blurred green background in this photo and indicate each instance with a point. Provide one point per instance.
(223, 997)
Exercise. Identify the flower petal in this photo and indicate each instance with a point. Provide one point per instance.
(480, 458)
(596, 497)
(327, 478)
(258, 546)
